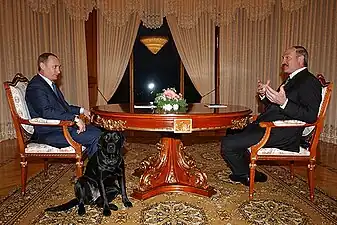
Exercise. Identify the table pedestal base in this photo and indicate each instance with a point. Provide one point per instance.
(171, 170)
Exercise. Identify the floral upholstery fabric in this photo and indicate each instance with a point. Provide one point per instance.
(276, 151)
(19, 93)
(38, 121)
(43, 148)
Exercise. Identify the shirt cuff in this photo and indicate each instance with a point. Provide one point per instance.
(76, 119)
(284, 104)
(81, 110)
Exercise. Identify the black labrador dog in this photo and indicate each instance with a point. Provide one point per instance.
(103, 180)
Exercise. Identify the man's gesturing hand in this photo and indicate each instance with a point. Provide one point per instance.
(261, 87)
(276, 97)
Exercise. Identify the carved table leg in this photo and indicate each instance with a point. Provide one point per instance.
(171, 171)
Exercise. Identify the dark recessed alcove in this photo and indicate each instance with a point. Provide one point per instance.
(161, 69)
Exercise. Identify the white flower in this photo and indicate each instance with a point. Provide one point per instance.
(175, 107)
(167, 107)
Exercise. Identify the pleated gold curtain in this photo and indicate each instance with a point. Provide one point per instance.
(115, 46)
(117, 28)
(252, 50)
(253, 35)
(31, 27)
(314, 26)
(249, 51)
(196, 49)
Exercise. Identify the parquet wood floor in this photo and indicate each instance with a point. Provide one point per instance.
(326, 169)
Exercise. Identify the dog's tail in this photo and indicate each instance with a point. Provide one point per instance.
(72, 203)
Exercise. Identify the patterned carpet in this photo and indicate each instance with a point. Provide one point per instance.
(278, 201)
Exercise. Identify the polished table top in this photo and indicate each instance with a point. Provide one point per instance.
(121, 116)
(196, 108)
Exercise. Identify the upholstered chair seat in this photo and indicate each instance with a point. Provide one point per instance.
(276, 151)
(47, 149)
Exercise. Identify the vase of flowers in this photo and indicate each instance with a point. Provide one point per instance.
(170, 101)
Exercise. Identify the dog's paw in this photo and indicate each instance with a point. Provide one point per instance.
(127, 204)
(113, 207)
(81, 210)
(106, 212)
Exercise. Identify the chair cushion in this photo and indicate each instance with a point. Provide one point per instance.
(279, 152)
(43, 148)
(19, 93)
(42, 121)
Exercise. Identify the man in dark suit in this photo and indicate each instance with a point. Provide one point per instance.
(44, 99)
(298, 98)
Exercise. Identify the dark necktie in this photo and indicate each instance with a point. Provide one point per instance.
(55, 89)
(61, 100)
(284, 83)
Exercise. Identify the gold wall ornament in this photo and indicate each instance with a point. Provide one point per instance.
(240, 123)
(154, 43)
(109, 124)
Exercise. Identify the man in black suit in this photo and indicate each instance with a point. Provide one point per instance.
(44, 99)
(298, 98)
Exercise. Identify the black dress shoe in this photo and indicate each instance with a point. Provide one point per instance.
(244, 179)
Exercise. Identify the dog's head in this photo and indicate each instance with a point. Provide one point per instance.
(111, 143)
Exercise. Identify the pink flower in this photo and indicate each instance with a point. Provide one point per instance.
(170, 94)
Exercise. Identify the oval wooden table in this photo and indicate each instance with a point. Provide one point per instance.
(171, 170)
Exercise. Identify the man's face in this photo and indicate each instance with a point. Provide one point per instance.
(51, 68)
(291, 61)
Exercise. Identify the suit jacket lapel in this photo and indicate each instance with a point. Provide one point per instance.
(58, 99)
(293, 80)
(61, 99)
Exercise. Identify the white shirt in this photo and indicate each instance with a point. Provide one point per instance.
(49, 82)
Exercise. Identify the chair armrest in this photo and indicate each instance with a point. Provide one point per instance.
(61, 123)
(47, 122)
(286, 123)
(278, 123)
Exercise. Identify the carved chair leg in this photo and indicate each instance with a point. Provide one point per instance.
(292, 170)
(252, 166)
(79, 167)
(311, 169)
(45, 167)
(23, 165)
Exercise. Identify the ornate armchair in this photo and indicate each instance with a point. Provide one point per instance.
(24, 128)
(307, 152)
